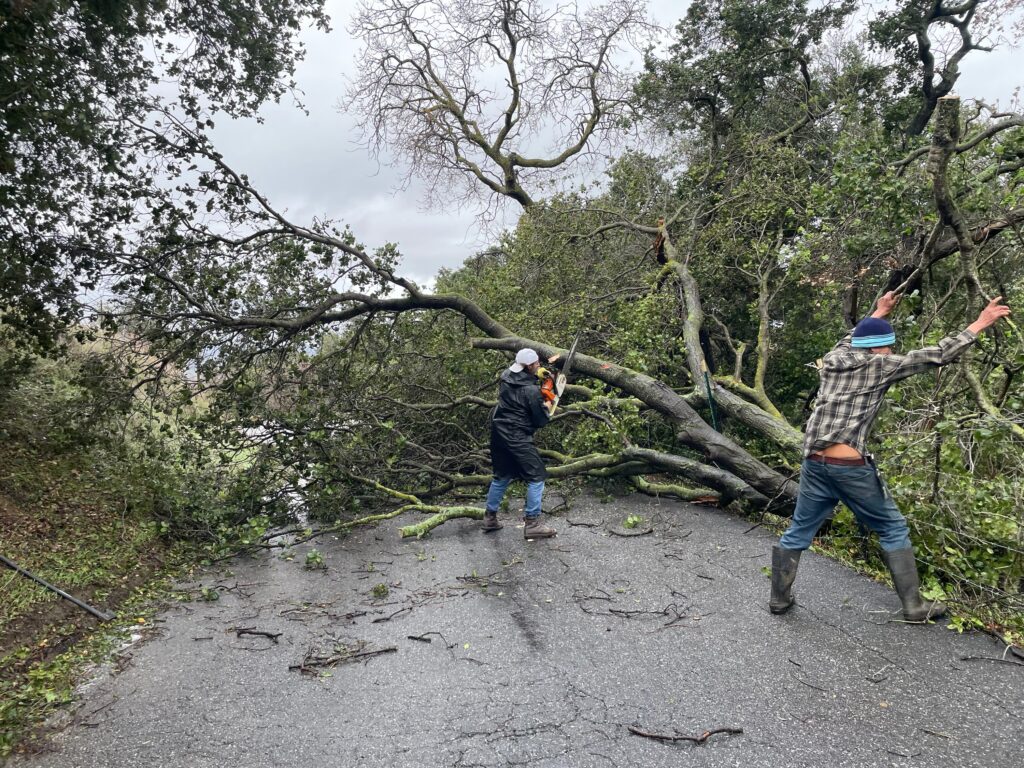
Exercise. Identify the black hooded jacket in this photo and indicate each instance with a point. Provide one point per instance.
(519, 414)
(520, 410)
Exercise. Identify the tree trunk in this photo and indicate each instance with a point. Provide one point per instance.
(944, 141)
(691, 430)
(755, 417)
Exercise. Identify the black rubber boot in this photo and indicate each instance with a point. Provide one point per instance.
(903, 567)
(784, 563)
(491, 522)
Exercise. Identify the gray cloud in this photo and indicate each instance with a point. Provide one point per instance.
(312, 165)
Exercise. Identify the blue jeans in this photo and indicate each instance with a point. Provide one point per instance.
(534, 492)
(861, 489)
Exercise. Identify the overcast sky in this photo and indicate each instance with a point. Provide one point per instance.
(313, 165)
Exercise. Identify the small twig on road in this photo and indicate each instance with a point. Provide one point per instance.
(483, 581)
(695, 739)
(877, 677)
(675, 615)
(400, 611)
(308, 611)
(239, 631)
(238, 587)
(671, 611)
(624, 613)
(809, 685)
(991, 658)
(310, 661)
(603, 596)
(90, 724)
(1015, 650)
(425, 638)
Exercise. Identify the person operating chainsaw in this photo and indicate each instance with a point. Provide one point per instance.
(522, 410)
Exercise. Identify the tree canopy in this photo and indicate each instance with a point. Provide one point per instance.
(792, 183)
(76, 79)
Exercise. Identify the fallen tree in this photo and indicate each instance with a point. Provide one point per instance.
(323, 357)
(190, 316)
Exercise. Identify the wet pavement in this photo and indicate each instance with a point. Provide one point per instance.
(488, 650)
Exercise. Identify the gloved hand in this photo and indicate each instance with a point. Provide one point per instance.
(547, 385)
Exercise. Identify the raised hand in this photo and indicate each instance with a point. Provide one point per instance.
(886, 303)
(993, 312)
(989, 315)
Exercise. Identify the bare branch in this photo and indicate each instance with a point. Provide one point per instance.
(461, 90)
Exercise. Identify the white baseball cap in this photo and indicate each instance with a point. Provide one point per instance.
(524, 357)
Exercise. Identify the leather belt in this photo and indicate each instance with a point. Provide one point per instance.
(817, 457)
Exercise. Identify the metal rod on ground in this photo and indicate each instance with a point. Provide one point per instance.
(101, 615)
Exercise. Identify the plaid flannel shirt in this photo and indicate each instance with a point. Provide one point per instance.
(854, 382)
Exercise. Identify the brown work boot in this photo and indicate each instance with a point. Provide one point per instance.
(491, 522)
(535, 530)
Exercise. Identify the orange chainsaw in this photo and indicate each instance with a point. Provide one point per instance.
(552, 386)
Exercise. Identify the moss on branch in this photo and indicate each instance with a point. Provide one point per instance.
(441, 515)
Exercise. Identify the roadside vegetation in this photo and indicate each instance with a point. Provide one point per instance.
(102, 495)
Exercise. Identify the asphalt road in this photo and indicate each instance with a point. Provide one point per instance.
(544, 654)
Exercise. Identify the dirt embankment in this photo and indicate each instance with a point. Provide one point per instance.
(80, 543)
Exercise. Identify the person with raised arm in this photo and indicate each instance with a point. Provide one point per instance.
(855, 376)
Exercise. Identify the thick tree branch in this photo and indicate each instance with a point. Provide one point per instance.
(773, 427)
(949, 73)
(947, 131)
(996, 128)
(692, 431)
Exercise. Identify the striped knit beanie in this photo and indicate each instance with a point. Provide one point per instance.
(873, 332)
